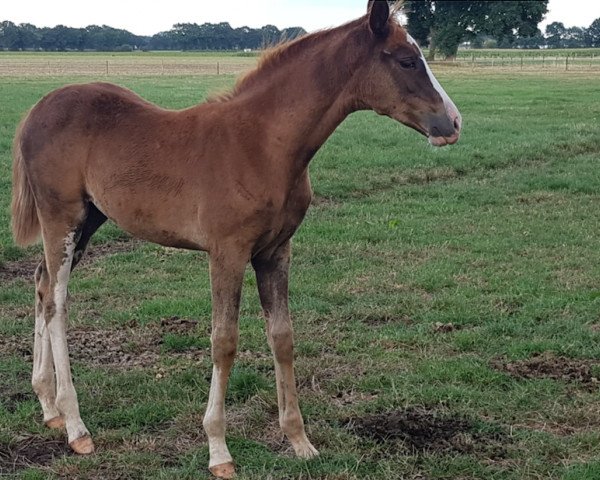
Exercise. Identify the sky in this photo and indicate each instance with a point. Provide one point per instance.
(144, 17)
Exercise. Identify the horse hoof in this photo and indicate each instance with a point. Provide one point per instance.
(225, 470)
(83, 445)
(56, 423)
(307, 452)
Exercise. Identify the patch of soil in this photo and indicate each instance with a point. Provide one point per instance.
(445, 327)
(122, 347)
(421, 430)
(378, 320)
(125, 347)
(130, 346)
(25, 268)
(179, 326)
(550, 366)
(11, 401)
(30, 452)
(16, 346)
(323, 201)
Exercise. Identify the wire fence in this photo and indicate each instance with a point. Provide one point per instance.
(539, 63)
(123, 66)
(117, 67)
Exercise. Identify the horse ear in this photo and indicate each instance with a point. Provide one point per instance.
(379, 14)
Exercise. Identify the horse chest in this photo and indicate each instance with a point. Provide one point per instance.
(282, 223)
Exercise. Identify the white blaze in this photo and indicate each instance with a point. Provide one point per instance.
(451, 109)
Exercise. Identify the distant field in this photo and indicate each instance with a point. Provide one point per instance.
(136, 63)
(583, 59)
(446, 305)
(34, 64)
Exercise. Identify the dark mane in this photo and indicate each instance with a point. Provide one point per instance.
(274, 56)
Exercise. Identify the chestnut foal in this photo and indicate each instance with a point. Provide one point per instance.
(229, 177)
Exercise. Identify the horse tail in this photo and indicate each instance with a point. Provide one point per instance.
(25, 222)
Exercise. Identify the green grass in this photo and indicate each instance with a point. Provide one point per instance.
(497, 236)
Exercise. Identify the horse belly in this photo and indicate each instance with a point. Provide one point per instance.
(159, 220)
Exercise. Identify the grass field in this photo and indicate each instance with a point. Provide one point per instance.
(446, 307)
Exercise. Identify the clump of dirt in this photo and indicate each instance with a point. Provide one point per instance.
(421, 430)
(130, 346)
(179, 326)
(30, 452)
(547, 365)
(122, 347)
(323, 201)
(12, 401)
(25, 268)
(18, 346)
(126, 347)
(374, 320)
(445, 327)
(19, 269)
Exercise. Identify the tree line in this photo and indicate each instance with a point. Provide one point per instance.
(443, 25)
(440, 25)
(183, 36)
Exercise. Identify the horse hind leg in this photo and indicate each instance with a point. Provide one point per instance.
(64, 237)
(42, 378)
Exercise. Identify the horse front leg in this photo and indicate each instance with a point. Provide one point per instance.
(272, 278)
(226, 275)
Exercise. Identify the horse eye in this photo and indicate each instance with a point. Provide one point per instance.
(408, 64)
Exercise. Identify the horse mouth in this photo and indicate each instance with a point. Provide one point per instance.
(443, 141)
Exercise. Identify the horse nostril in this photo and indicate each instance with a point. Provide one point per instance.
(456, 124)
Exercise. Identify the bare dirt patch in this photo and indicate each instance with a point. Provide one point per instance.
(375, 320)
(439, 327)
(420, 430)
(25, 268)
(130, 346)
(31, 452)
(125, 347)
(321, 201)
(547, 365)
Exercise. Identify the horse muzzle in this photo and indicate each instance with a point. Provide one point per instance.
(444, 129)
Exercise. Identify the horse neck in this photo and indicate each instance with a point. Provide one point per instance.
(303, 98)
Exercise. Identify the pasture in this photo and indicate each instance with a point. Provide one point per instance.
(446, 306)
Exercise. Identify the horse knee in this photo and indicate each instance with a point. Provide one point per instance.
(42, 382)
(224, 348)
(282, 342)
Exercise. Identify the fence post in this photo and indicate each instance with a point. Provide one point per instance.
(218, 68)
(521, 61)
(543, 61)
(107, 68)
(567, 63)
(473, 62)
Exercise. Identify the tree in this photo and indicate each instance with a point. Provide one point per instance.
(555, 33)
(593, 33)
(536, 41)
(444, 24)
